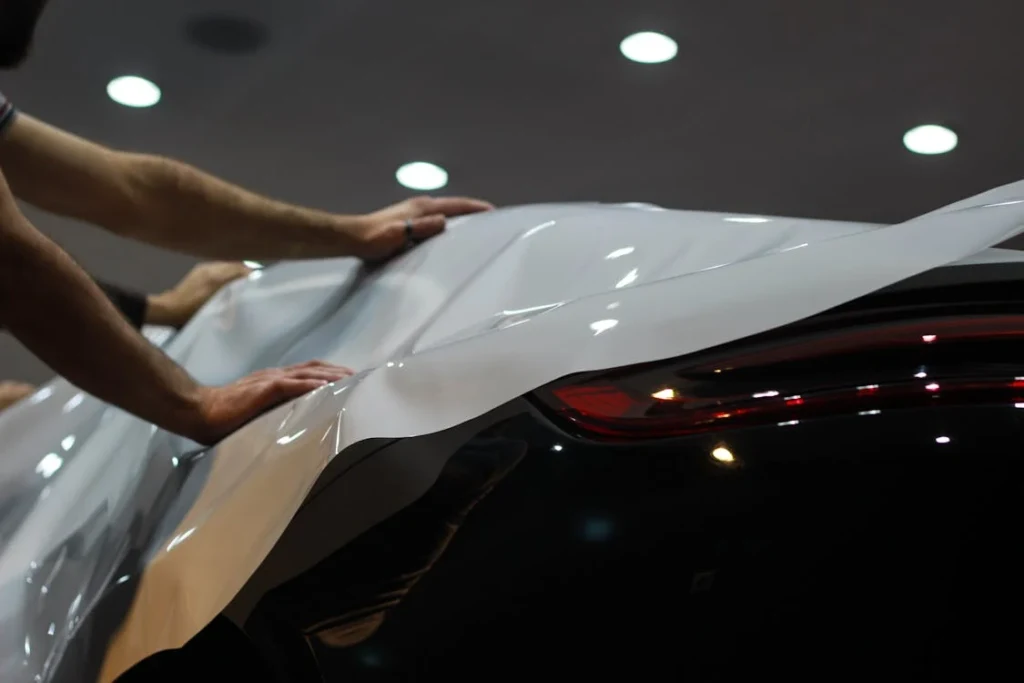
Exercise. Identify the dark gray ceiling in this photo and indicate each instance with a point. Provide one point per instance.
(793, 107)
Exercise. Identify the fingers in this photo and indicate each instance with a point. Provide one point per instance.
(287, 388)
(225, 409)
(251, 398)
(325, 375)
(236, 270)
(265, 393)
(228, 271)
(455, 206)
(321, 365)
(311, 364)
(426, 227)
(310, 370)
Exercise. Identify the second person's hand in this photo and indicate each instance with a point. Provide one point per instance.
(177, 305)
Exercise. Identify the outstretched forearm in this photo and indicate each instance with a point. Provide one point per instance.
(185, 209)
(173, 205)
(164, 202)
(62, 316)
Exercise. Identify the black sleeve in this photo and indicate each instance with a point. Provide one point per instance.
(7, 113)
(131, 304)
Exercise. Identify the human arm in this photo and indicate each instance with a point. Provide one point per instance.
(173, 205)
(177, 305)
(44, 294)
(174, 308)
(132, 306)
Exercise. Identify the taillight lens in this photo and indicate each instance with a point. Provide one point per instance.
(792, 375)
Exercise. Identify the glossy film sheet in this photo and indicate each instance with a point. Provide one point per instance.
(118, 540)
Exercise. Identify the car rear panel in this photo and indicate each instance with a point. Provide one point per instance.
(874, 535)
(838, 546)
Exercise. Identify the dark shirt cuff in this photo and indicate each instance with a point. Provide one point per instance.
(131, 304)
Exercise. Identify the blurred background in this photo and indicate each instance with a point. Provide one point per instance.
(787, 107)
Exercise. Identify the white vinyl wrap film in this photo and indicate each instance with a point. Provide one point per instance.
(95, 500)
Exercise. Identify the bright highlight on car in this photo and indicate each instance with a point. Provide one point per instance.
(600, 326)
(723, 454)
(133, 91)
(422, 176)
(930, 139)
(648, 47)
(748, 219)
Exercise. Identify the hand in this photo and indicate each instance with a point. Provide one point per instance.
(384, 232)
(12, 392)
(222, 410)
(176, 306)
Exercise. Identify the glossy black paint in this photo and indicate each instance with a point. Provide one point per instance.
(838, 548)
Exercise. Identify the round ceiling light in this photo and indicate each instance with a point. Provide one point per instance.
(930, 139)
(133, 91)
(422, 175)
(648, 47)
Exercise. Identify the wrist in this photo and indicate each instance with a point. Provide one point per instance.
(191, 418)
(352, 231)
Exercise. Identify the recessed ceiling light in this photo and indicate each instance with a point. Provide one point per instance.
(422, 175)
(226, 34)
(930, 139)
(648, 47)
(133, 91)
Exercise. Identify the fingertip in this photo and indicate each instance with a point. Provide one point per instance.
(458, 206)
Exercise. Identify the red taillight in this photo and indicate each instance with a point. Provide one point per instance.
(858, 369)
(596, 399)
